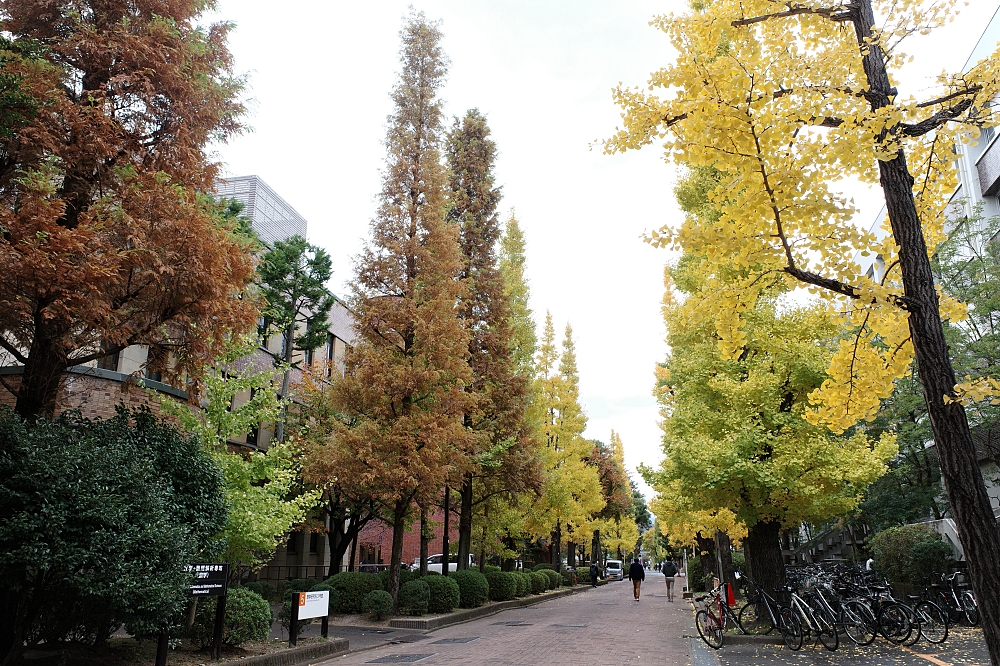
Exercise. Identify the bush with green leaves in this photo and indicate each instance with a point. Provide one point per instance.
(248, 619)
(100, 520)
(405, 576)
(444, 593)
(568, 578)
(473, 589)
(541, 566)
(583, 575)
(378, 603)
(523, 583)
(695, 575)
(555, 578)
(539, 582)
(490, 567)
(503, 585)
(912, 554)
(415, 596)
(262, 587)
(352, 587)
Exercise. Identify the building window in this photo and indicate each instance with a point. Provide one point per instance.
(314, 542)
(293, 543)
(156, 376)
(109, 362)
(329, 353)
(254, 433)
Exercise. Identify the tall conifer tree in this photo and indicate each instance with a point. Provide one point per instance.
(403, 396)
(496, 415)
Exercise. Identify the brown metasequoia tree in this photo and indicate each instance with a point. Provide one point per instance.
(107, 238)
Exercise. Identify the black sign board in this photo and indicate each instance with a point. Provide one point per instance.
(209, 579)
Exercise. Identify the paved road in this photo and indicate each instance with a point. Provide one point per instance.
(600, 627)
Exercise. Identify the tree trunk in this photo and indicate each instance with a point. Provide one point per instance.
(557, 546)
(970, 504)
(570, 555)
(352, 562)
(424, 543)
(289, 336)
(334, 538)
(445, 543)
(724, 553)
(595, 548)
(762, 548)
(399, 513)
(465, 524)
(42, 376)
(508, 563)
(706, 552)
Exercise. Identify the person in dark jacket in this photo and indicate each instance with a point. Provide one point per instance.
(636, 574)
(669, 570)
(593, 574)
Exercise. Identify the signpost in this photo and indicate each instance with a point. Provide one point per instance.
(212, 580)
(305, 606)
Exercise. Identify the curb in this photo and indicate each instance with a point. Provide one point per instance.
(300, 655)
(483, 611)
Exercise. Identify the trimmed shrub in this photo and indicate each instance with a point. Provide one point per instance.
(444, 593)
(583, 576)
(248, 618)
(503, 585)
(352, 587)
(378, 603)
(913, 554)
(405, 576)
(568, 578)
(523, 583)
(695, 575)
(539, 582)
(261, 587)
(489, 567)
(473, 589)
(415, 596)
(541, 566)
(555, 578)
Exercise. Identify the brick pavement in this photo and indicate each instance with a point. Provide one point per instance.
(601, 627)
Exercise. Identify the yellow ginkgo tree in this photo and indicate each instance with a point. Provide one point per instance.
(788, 99)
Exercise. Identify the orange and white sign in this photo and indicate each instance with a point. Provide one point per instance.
(314, 604)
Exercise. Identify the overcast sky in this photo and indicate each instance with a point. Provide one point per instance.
(542, 72)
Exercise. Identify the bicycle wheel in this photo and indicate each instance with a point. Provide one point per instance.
(914, 619)
(755, 619)
(894, 623)
(933, 622)
(970, 608)
(790, 628)
(827, 632)
(709, 629)
(859, 622)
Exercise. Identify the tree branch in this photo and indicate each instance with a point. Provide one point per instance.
(968, 91)
(12, 350)
(935, 121)
(839, 287)
(832, 13)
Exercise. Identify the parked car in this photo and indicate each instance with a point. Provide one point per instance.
(435, 563)
(613, 570)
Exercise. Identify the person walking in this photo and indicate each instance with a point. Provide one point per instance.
(593, 574)
(669, 570)
(636, 574)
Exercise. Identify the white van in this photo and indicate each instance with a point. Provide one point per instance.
(435, 563)
(613, 570)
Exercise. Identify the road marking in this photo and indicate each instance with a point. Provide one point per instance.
(933, 660)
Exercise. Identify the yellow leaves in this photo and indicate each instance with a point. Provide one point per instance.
(978, 390)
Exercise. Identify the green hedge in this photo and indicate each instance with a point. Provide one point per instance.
(473, 589)
(913, 554)
(523, 581)
(567, 578)
(444, 593)
(415, 596)
(541, 566)
(263, 588)
(503, 585)
(405, 576)
(378, 603)
(248, 618)
(539, 582)
(583, 575)
(352, 587)
(555, 578)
